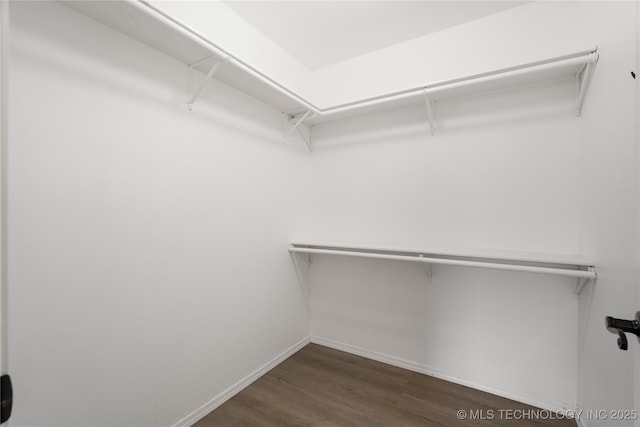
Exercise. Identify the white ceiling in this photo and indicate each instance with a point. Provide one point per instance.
(321, 33)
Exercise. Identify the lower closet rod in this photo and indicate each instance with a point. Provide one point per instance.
(513, 267)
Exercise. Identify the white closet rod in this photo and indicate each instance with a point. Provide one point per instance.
(584, 58)
(588, 56)
(582, 274)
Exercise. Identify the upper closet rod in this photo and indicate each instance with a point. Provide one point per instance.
(582, 57)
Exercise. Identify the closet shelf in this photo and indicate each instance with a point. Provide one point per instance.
(578, 65)
(562, 265)
(143, 21)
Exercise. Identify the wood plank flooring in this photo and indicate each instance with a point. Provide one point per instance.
(319, 386)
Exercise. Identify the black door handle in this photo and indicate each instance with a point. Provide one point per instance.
(622, 326)
(7, 398)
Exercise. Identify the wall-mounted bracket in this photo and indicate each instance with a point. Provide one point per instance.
(583, 78)
(308, 261)
(429, 104)
(193, 95)
(426, 265)
(297, 121)
(582, 281)
(307, 141)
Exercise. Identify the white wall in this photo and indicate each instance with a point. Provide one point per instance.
(148, 263)
(516, 172)
(4, 97)
(130, 219)
(528, 33)
(609, 211)
(637, 71)
(384, 180)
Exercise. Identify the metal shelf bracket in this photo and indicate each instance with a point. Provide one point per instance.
(193, 95)
(582, 282)
(307, 261)
(583, 78)
(429, 104)
(426, 265)
(297, 121)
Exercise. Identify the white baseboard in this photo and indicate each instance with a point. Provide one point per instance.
(218, 400)
(427, 370)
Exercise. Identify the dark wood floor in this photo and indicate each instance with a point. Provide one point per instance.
(319, 386)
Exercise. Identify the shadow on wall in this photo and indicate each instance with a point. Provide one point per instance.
(524, 104)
